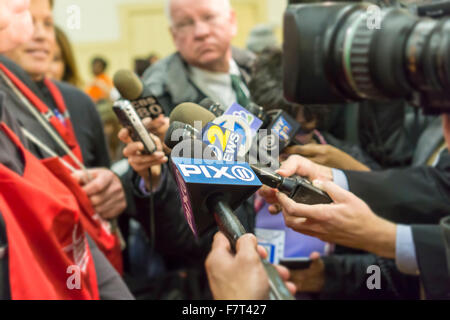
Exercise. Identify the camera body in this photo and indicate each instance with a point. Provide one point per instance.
(337, 52)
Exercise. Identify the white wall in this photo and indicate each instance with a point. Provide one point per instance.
(99, 18)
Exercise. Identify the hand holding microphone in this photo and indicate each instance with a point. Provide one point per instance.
(141, 163)
(240, 276)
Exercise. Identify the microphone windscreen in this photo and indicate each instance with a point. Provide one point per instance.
(177, 131)
(128, 84)
(207, 103)
(190, 113)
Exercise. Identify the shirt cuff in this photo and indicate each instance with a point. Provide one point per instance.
(405, 251)
(340, 179)
(143, 187)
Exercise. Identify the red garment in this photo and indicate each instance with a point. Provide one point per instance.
(99, 231)
(65, 132)
(96, 227)
(46, 238)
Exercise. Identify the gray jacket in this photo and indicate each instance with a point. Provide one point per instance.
(169, 82)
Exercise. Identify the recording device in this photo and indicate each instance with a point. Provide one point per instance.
(339, 52)
(131, 88)
(296, 263)
(210, 192)
(298, 189)
(130, 120)
(445, 225)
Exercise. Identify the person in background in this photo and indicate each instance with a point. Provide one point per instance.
(140, 65)
(102, 85)
(205, 64)
(64, 67)
(261, 37)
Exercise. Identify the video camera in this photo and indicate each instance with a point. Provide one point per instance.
(336, 52)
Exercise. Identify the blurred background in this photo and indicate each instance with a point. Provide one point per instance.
(122, 31)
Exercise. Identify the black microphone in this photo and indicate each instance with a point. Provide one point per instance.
(283, 126)
(214, 107)
(131, 88)
(297, 188)
(210, 191)
(179, 131)
(185, 142)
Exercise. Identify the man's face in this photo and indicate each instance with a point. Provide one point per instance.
(202, 31)
(36, 55)
(15, 23)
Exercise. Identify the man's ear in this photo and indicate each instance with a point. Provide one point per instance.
(233, 23)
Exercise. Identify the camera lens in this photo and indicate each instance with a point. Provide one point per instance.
(359, 51)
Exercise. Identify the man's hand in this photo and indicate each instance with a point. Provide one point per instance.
(158, 126)
(241, 276)
(327, 155)
(295, 165)
(105, 191)
(348, 222)
(143, 163)
(312, 279)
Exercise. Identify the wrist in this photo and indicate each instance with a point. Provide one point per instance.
(324, 173)
(382, 238)
(152, 181)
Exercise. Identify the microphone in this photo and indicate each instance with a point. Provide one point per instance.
(198, 117)
(131, 88)
(184, 140)
(225, 143)
(192, 114)
(263, 152)
(283, 126)
(129, 119)
(210, 192)
(298, 189)
(278, 122)
(214, 107)
(179, 131)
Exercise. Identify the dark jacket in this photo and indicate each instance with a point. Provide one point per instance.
(169, 81)
(432, 260)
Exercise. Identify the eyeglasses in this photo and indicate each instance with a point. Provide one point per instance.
(189, 25)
